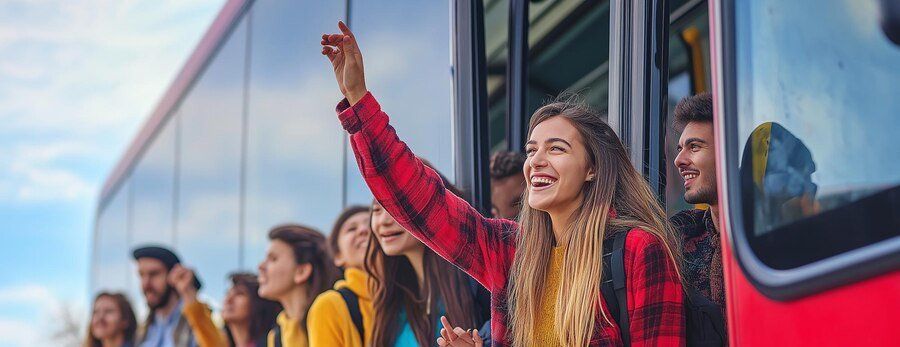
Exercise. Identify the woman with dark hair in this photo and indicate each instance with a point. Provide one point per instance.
(413, 287)
(297, 268)
(334, 316)
(247, 316)
(112, 322)
(544, 272)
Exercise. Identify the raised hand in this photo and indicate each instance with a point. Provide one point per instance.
(457, 337)
(182, 279)
(343, 52)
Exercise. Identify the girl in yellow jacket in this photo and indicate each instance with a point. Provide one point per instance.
(297, 268)
(344, 316)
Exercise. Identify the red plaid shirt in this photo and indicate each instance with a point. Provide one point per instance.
(484, 248)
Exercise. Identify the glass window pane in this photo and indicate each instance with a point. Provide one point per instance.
(210, 167)
(294, 144)
(689, 74)
(412, 82)
(112, 256)
(496, 29)
(568, 50)
(817, 120)
(152, 188)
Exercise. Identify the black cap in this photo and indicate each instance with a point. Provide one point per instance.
(166, 256)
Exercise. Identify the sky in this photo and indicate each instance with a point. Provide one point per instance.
(77, 81)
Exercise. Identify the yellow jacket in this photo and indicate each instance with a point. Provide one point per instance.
(329, 319)
(292, 335)
(205, 331)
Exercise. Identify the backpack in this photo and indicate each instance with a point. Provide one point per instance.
(703, 318)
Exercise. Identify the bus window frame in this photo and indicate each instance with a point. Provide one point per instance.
(782, 285)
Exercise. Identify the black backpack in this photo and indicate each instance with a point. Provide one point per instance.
(355, 315)
(704, 320)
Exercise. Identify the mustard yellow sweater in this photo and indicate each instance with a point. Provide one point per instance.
(545, 330)
(292, 335)
(329, 320)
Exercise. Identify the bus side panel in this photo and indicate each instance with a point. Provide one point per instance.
(865, 313)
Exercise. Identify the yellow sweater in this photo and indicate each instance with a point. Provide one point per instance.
(329, 319)
(545, 330)
(292, 335)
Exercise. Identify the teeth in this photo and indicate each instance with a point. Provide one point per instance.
(690, 176)
(545, 180)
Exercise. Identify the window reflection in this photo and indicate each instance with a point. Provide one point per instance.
(209, 167)
(153, 183)
(111, 258)
(496, 28)
(833, 89)
(568, 50)
(412, 83)
(294, 145)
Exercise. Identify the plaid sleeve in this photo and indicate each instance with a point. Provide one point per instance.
(415, 196)
(655, 296)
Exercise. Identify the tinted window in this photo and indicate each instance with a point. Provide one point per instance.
(496, 28)
(152, 189)
(295, 143)
(112, 260)
(817, 118)
(412, 82)
(210, 166)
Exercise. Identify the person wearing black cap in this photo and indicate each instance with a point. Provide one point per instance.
(165, 326)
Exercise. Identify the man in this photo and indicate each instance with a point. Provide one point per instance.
(507, 184)
(696, 162)
(165, 326)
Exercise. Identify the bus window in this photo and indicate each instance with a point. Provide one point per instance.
(688, 75)
(813, 167)
(496, 22)
(568, 44)
(568, 50)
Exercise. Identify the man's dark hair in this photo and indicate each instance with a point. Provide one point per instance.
(505, 164)
(695, 108)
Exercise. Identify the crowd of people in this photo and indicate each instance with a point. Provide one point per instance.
(578, 250)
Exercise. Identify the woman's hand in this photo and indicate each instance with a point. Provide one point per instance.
(457, 336)
(343, 52)
(182, 279)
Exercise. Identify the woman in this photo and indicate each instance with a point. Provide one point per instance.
(297, 268)
(331, 322)
(582, 189)
(112, 322)
(247, 316)
(409, 280)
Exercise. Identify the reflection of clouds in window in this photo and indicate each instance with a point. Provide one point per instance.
(152, 187)
(828, 75)
(408, 70)
(111, 251)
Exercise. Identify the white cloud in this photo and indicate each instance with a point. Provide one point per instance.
(77, 79)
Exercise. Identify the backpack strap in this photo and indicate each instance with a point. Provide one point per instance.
(277, 329)
(355, 314)
(614, 290)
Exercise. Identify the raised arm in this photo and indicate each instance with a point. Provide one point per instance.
(411, 192)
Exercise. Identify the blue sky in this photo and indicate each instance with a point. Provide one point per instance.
(77, 80)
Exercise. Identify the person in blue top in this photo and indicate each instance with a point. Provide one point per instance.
(165, 326)
(414, 287)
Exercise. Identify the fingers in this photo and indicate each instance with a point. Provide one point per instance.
(477, 338)
(445, 337)
(345, 29)
(441, 342)
(448, 327)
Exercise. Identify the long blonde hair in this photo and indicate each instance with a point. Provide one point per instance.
(618, 186)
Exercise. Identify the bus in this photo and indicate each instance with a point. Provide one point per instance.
(245, 137)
